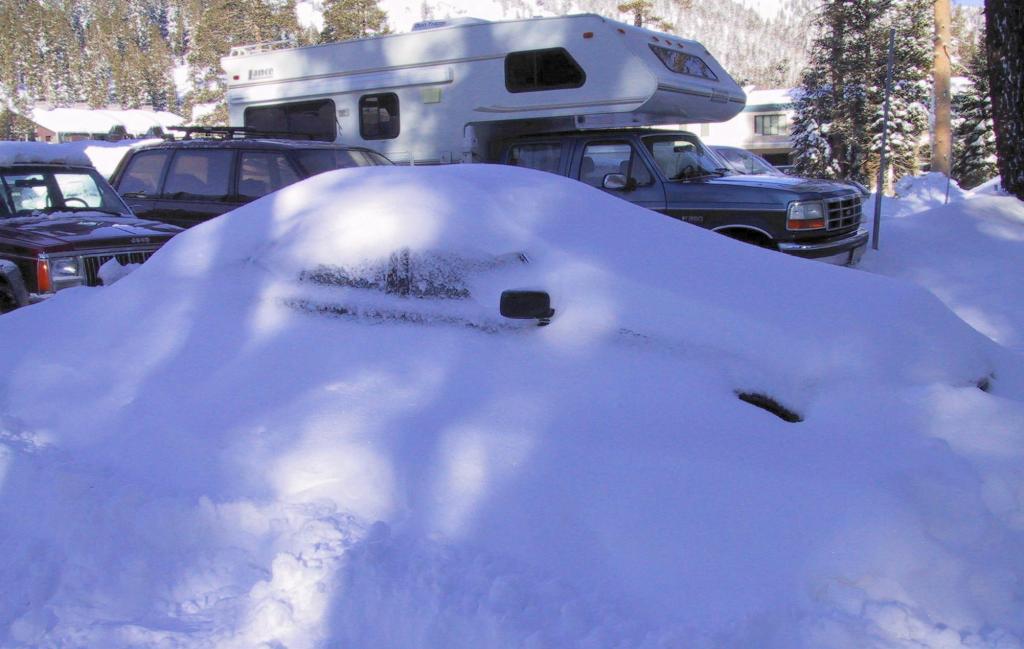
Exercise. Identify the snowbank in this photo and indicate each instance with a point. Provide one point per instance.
(304, 424)
(918, 193)
(967, 253)
(105, 156)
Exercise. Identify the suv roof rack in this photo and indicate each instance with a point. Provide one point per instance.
(236, 132)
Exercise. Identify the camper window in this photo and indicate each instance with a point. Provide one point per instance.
(536, 70)
(307, 119)
(378, 116)
(684, 63)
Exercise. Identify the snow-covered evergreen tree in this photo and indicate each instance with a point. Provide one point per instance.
(218, 26)
(911, 90)
(838, 122)
(832, 136)
(974, 141)
(641, 14)
(347, 19)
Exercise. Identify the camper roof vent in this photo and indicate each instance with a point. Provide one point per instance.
(447, 22)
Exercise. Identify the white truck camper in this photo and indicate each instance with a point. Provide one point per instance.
(450, 91)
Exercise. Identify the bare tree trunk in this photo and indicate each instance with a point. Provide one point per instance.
(942, 144)
(1004, 35)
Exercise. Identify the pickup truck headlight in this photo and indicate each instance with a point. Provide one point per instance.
(805, 215)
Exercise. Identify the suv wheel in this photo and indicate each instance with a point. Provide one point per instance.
(7, 300)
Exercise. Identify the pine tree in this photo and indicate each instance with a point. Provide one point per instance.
(832, 136)
(838, 121)
(348, 19)
(974, 142)
(1004, 39)
(218, 25)
(642, 12)
(59, 51)
(911, 90)
(20, 74)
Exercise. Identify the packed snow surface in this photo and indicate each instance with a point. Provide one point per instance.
(39, 152)
(104, 156)
(305, 424)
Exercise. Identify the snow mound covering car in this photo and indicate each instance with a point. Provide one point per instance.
(305, 424)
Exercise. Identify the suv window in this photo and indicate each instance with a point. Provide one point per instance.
(142, 176)
(542, 156)
(602, 158)
(262, 172)
(49, 190)
(79, 190)
(317, 161)
(203, 173)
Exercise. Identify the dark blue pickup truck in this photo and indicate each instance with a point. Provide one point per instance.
(674, 173)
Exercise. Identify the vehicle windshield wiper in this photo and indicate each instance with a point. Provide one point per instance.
(101, 210)
(708, 173)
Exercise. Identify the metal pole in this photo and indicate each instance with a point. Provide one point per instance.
(880, 185)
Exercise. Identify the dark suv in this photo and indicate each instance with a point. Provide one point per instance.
(188, 181)
(672, 172)
(62, 225)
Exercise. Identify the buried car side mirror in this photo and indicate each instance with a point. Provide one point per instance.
(527, 305)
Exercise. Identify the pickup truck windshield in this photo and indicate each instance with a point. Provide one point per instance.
(43, 190)
(684, 157)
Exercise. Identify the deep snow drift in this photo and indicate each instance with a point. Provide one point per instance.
(304, 424)
(967, 252)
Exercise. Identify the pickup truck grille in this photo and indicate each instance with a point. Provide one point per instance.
(92, 263)
(843, 212)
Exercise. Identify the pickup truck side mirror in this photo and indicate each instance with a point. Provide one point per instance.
(617, 182)
(527, 305)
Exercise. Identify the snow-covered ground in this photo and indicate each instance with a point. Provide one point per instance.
(251, 442)
(967, 252)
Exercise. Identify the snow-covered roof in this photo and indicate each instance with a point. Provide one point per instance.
(771, 97)
(28, 152)
(85, 120)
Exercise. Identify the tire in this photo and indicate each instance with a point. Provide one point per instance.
(7, 300)
(748, 236)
